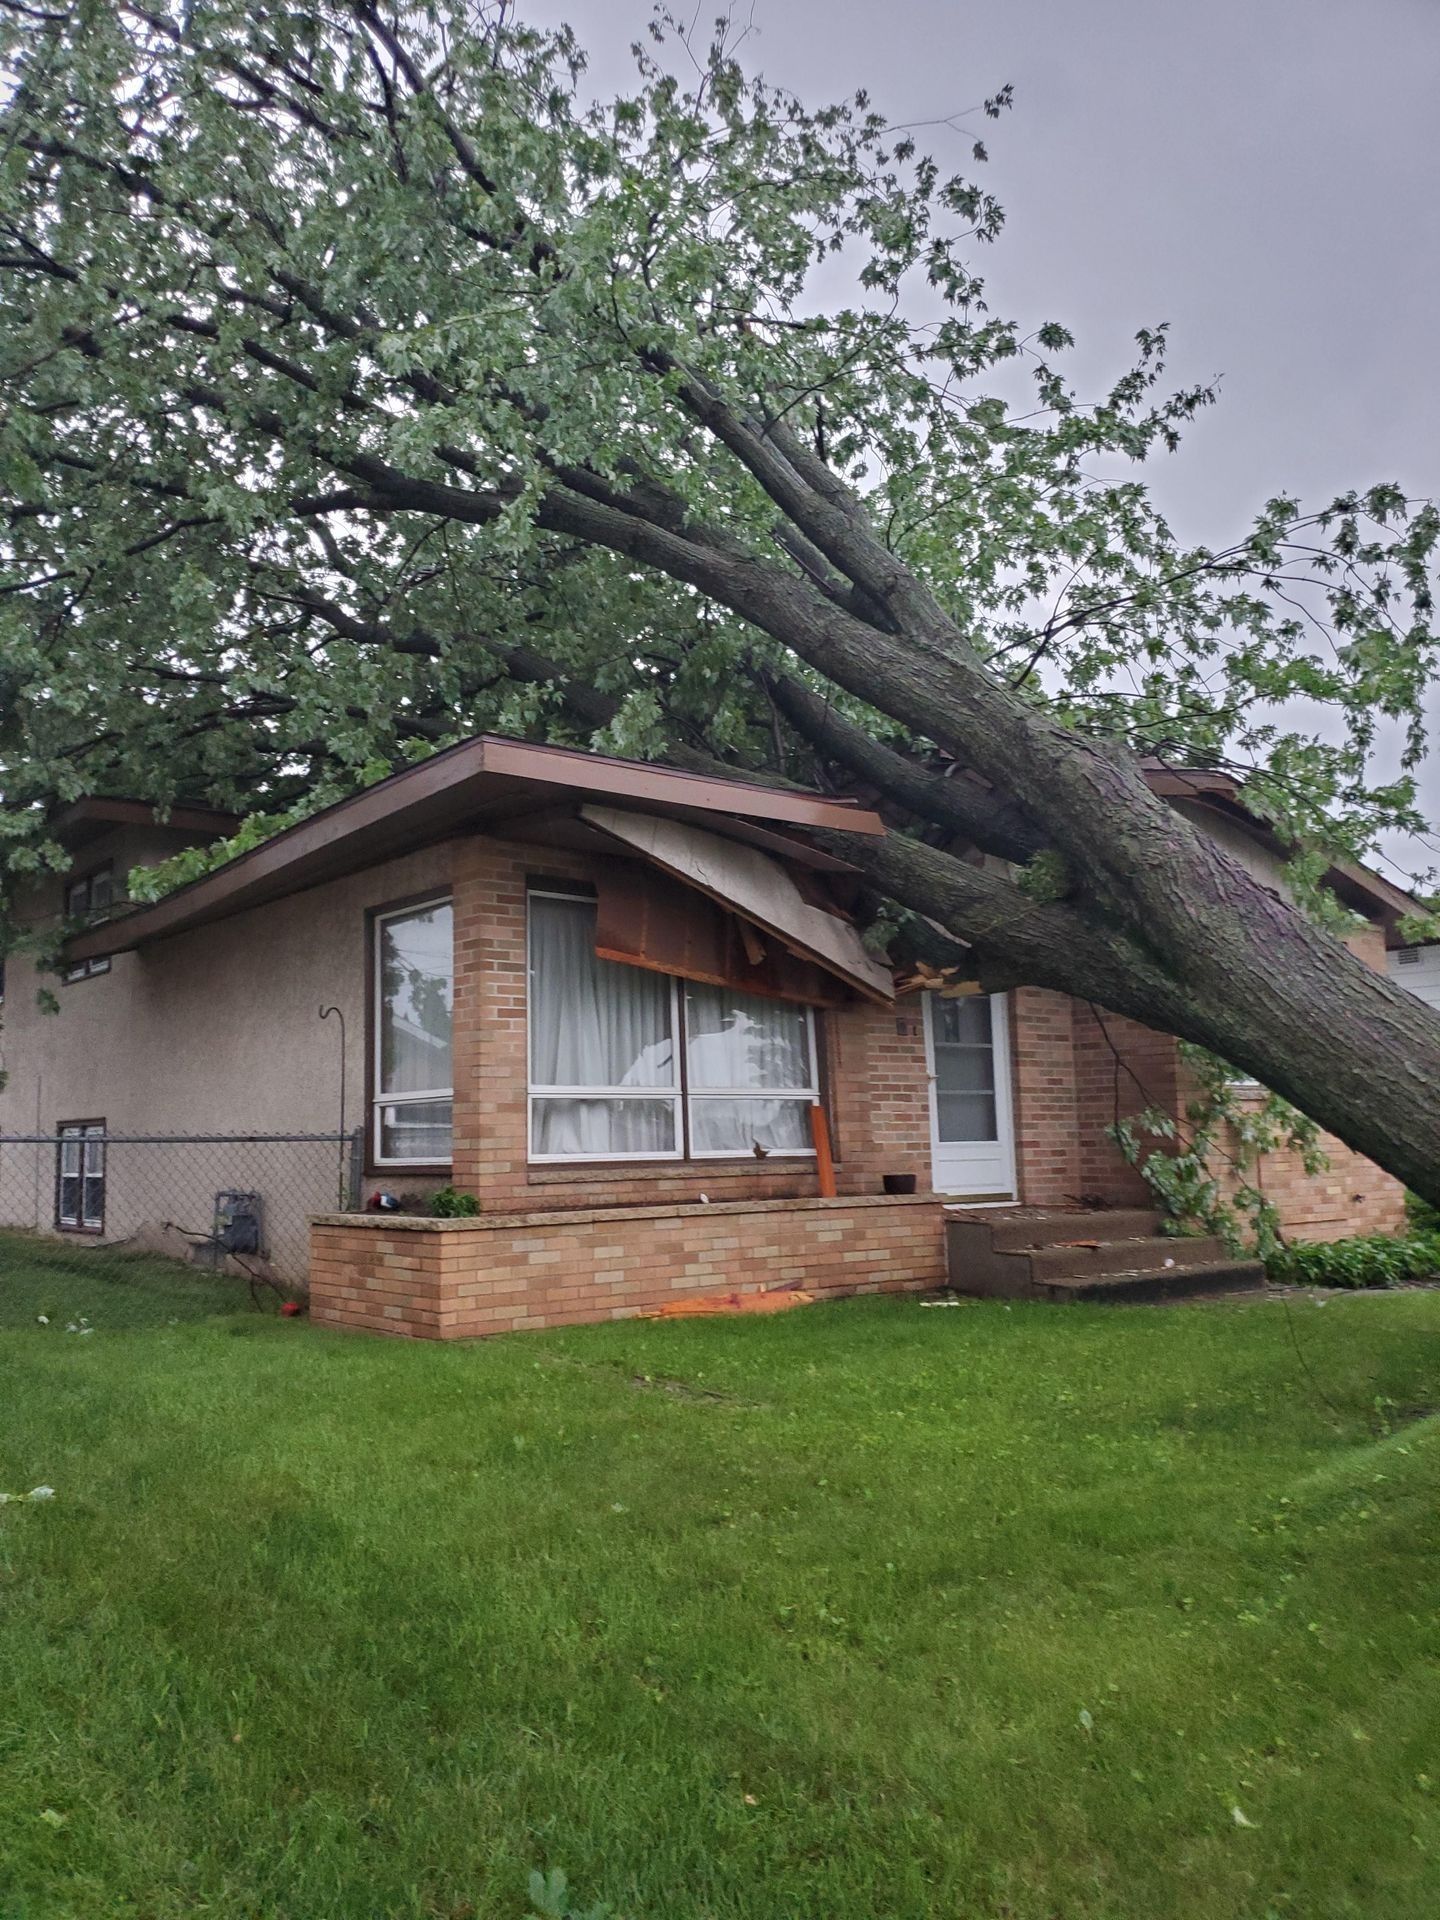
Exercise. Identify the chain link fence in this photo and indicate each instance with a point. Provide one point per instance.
(105, 1229)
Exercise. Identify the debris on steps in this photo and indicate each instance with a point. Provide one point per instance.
(1025, 1253)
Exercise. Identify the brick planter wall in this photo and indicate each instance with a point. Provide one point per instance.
(448, 1279)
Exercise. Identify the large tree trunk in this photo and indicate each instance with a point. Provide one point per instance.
(1348, 1047)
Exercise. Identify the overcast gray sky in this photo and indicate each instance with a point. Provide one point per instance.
(1264, 174)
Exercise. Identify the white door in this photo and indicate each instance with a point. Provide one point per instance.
(972, 1132)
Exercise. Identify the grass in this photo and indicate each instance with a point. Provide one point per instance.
(1001, 1614)
(74, 1281)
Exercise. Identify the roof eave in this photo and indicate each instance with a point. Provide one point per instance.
(443, 795)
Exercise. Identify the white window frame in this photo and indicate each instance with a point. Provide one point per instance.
(381, 1100)
(680, 1095)
(87, 1138)
(673, 1094)
(808, 1095)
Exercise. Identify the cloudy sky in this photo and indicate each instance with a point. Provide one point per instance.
(1263, 174)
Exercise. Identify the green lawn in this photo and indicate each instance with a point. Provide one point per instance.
(869, 1610)
(77, 1282)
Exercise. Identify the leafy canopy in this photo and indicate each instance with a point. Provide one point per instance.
(308, 311)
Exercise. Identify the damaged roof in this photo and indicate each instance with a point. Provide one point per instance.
(488, 784)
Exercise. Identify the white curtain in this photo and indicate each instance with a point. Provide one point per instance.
(739, 1126)
(737, 1040)
(596, 1024)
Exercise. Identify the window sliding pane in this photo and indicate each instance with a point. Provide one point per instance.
(962, 1022)
(415, 1130)
(69, 1208)
(966, 1116)
(599, 1127)
(738, 1126)
(593, 1023)
(92, 1200)
(736, 1040)
(965, 1069)
(417, 994)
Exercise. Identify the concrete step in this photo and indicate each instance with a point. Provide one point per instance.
(1168, 1283)
(1156, 1253)
(1047, 1228)
(1035, 1256)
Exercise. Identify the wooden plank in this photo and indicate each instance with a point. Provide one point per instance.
(824, 1162)
(753, 886)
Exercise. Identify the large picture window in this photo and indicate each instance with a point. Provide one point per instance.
(626, 1064)
(604, 1076)
(414, 1005)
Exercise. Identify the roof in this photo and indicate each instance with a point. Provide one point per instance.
(85, 820)
(1357, 887)
(485, 784)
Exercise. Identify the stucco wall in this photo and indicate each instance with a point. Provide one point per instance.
(214, 1031)
(1258, 861)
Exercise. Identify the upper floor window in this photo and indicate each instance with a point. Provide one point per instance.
(89, 898)
(414, 1005)
(626, 1064)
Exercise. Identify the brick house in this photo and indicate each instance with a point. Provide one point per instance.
(623, 1006)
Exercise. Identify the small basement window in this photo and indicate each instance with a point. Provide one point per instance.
(80, 1176)
(89, 899)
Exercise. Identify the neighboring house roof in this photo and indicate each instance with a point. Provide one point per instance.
(1357, 887)
(85, 820)
(525, 792)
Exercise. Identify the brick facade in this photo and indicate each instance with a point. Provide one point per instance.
(872, 1070)
(449, 1279)
(1121, 1068)
(1047, 1145)
(558, 1244)
(1078, 1069)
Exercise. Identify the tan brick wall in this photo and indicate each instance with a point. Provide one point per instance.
(1076, 1070)
(1047, 1147)
(446, 1280)
(1352, 1195)
(873, 1070)
(1121, 1068)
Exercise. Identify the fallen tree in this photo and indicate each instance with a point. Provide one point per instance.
(365, 386)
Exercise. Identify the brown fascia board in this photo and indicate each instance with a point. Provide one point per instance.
(450, 792)
(86, 819)
(643, 781)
